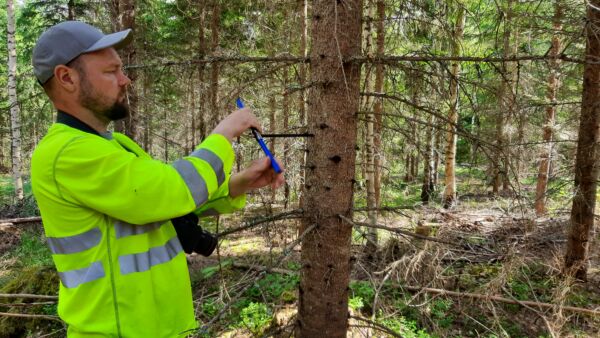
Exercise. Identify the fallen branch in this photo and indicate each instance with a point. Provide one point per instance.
(27, 295)
(396, 230)
(377, 326)
(250, 224)
(27, 304)
(387, 208)
(259, 268)
(24, 315)
(22, 220)
(286, 251)
(523, 303)
(501, 299)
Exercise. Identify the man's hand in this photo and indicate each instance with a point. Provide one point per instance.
(236, 123)
(258, 175)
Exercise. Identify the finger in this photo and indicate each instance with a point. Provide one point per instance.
(260, 166)
(278, 181)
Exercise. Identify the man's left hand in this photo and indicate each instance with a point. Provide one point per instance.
(259, 174)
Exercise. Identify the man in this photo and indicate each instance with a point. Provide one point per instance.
(107, 206)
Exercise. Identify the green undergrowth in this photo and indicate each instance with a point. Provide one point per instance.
(39, 280)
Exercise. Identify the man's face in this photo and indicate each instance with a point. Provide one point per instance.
(103, 85)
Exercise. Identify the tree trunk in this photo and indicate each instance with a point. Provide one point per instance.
(285, 144)
(506, 100)
(450, 172)
(303, 9)
(553, 84)
(323, 303)
(71, 10)
(201, 118)
(408, 168)
(371, 245)
(125, 13)
(13, 100)
(427, 188)
(272, 142)
(586, 162)
(214, 71)
(378, 107)
(147, 139)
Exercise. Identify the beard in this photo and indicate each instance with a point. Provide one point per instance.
(98, 105)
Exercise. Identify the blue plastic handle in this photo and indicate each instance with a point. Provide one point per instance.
(261, 141)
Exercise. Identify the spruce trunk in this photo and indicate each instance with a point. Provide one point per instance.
(323, 303)
(586, 163)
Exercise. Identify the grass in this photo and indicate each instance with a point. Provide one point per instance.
(32, 251)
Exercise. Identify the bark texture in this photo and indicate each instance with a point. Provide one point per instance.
(15, 113)
(553, 84)
(323, 303)
(507, 102)
(450, 171)
(586, 163)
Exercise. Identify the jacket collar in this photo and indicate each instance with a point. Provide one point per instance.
(73, 122)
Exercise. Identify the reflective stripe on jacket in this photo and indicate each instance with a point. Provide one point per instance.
(106, 206)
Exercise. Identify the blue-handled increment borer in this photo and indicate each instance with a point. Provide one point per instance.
(261, 141)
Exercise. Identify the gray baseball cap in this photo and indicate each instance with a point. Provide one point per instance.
(62, 43)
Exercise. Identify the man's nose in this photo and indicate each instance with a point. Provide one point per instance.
(124, 80)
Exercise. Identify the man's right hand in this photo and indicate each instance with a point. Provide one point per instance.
(236, 123)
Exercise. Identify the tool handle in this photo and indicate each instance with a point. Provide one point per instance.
(261, 141)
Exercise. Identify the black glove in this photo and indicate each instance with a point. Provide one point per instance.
(192, 237)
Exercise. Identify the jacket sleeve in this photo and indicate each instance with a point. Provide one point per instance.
(222, 203)
(92, 172)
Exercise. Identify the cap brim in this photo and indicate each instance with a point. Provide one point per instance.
(116, 40)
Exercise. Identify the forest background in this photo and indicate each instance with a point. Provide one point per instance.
(441, 175)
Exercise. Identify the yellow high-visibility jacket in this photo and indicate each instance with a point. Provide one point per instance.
(106, 205)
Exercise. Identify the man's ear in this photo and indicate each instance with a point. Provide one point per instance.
(66, 78)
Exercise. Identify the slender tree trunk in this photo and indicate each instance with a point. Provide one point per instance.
(13, 100)
(427, 188)
(166, 137)
(215, 66)
(586, 163)
(323, 303)
(125, 11)
(371, 245)
(286, 115)
(553, 84)
(450, 172)
(202, 48)
(378, 107)
(506, 99)
(303, 9)
(272, 142)
(409, 167)
(436, 155)
(71, 10)
(146, 113)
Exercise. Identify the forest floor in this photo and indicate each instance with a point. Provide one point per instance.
(489, 255)
(479, 250)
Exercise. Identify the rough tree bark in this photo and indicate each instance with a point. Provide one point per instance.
(323, 303)
(15, 113)
(507, 100)
(378, 107)
(553, 84)
(450, 175)
(303, 9)
(586, 162)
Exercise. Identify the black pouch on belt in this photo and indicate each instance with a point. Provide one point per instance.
(192, 237)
